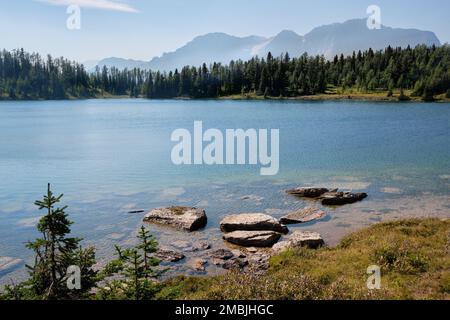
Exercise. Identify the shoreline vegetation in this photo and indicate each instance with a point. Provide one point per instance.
(394, 74)
(332, 95)
(412, 254)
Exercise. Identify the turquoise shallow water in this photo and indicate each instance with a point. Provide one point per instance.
(112, 156)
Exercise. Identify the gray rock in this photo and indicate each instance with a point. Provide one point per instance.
(222, 254)
(239, 254)
(302, 216)
(253, 238)
(300, 239)
(201, 246)
(259, 262)
(342, 198)
(251, 222)
(169, 255)
(307, 192)
(235, 263)
(182, 245)
(197, 264)
(184, 218)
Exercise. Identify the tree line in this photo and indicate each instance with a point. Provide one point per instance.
(423, 70)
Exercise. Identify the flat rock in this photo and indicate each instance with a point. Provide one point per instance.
(169, 255)
(302, 216)
(251, 222)
(298, 239)
(183, 218)
(342, 198)
(253, 238)
(222, 254)
(308, 192)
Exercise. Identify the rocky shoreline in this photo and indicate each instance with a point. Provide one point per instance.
(251, 238)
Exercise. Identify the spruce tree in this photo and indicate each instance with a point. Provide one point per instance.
(55, 252)
(134, 269)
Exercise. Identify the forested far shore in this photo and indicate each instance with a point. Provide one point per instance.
(421, 71)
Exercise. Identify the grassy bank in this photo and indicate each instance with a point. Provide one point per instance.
(343, 94)
(414, 256)
(331, 94)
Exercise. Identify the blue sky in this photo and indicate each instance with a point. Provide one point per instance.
(142, 29)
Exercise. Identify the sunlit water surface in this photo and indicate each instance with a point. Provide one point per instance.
(112, 156)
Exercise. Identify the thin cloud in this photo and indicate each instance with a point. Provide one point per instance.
(113, 5)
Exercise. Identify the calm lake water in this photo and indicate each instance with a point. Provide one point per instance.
(112, 156)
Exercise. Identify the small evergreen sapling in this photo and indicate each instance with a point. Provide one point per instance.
(55, 252)
(133, 271)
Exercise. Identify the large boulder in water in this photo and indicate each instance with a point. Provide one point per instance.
(251, 222)
(302, 216)
(307, 192)
(184, 218)
(300, 239)
(342, 198)
(253, 238)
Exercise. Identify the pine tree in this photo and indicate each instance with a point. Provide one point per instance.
(135, 267)
(148, 246)
(55, 252)
(427, 94)
(28, 76)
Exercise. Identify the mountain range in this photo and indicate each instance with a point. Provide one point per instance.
(328, 40)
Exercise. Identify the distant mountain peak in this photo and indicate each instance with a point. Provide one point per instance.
(328, 40)
(287, 33)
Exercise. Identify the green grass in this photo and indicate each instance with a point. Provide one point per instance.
(414, 256)
(337, 93)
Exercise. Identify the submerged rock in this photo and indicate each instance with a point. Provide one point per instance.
(302, 216)
(136, 211)
(342, 198)
(307, 192)
(197, 264)
(251, 222)
(253, 238)
(169, 255)
(184, 218)
(201, 246)
(300, 239)
(8, 263)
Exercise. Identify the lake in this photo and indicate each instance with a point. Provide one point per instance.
(112, 156)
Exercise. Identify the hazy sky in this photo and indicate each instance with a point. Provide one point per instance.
(142, 29)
